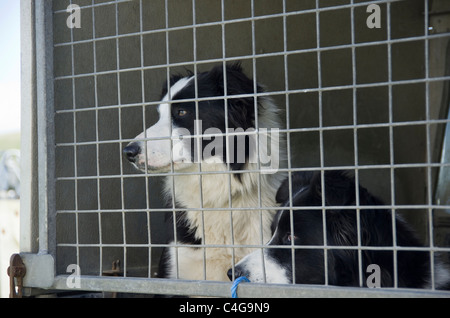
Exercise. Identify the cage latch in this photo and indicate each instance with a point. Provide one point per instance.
(115, 271)
(16, 272)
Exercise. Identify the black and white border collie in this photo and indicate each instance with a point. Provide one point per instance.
(341, 230)
(184, 142)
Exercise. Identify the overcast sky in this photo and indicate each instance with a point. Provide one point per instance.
(9, 66)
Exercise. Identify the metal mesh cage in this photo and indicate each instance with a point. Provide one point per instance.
(366, 99)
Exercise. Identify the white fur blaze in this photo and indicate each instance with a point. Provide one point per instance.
(252, 267)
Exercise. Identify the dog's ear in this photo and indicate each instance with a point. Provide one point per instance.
(173, 79)
(237, 82)
(339, 188)
(241, 110)
(241, 113)
(283, 192)
(235, 67)
(300, 179)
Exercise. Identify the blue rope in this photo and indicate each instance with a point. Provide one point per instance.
(235, 285)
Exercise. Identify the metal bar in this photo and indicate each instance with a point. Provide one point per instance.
(45, 127)
(373, 207)
(321, 144)
(384, 166)
(222, 289)
(309, 129)
(28, 143)
(119, 101)
(355, 147)
(329, 247)
(391, 143)
(428, 182)
(97, 146)
(147, 199)
(75, 150)
(272, 93)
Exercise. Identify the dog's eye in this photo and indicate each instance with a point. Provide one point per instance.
(182, 112)
(290, 238)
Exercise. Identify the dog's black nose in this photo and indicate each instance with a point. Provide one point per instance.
(237, 273)
(132, 151)
(230, 274)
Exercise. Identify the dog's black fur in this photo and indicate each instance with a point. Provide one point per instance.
(376, 228)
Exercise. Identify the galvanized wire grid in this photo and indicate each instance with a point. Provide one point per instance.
(77, 179)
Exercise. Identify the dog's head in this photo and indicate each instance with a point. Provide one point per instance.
(205, 104)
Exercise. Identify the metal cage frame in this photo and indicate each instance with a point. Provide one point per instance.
(38, 207)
